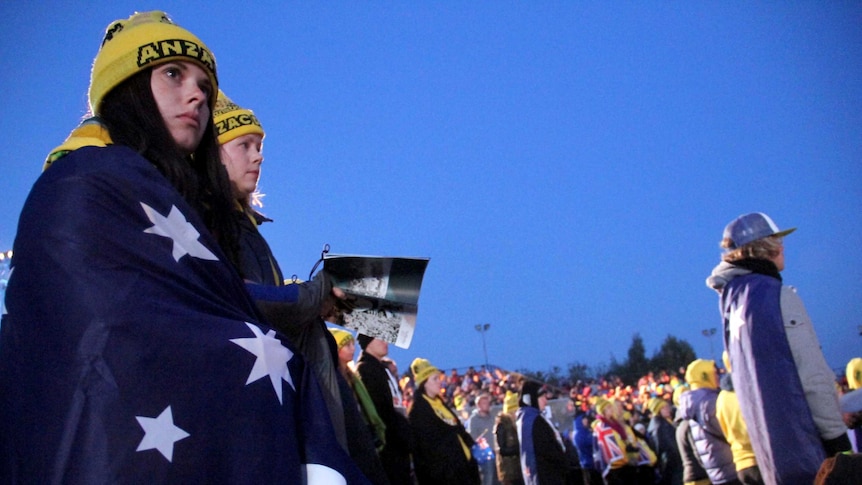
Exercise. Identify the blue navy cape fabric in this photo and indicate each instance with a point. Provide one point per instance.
(526, 417)
(782, 430)
(131, 352)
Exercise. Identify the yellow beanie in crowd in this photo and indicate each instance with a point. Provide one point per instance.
(422, 370)
(655, 404)
(232, 121)
(510, 402)
(601, 404)
(342, 337)
(144, 40)
(701, 373)
(854, 373)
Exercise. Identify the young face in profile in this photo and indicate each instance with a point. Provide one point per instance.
(181, 90)
(432, 385)
(242, 157)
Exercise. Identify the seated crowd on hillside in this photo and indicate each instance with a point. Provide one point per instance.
(670, 427)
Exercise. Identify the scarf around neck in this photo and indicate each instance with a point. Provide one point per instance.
(759, 266)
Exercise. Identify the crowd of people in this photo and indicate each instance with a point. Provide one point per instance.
(671, 427)
(149, 335)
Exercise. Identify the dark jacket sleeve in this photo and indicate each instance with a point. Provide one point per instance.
(291, 308)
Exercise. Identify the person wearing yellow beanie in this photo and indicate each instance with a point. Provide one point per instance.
(697, 406)
(655, 405)
(602, 405)
(344, 341)
(295, 307)
(140, 44)
(359, 436)
(701, 373)
(422, 369)
(854, 373)
(442, 449)
(692, 471)
(240, 136)
(623, 457)
(136, 219)
(661, 435)
(508, 448)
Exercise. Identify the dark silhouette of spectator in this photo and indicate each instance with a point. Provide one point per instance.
(395, 455)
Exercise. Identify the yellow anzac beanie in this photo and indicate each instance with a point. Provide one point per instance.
(342, 337)
(144, 40)
(422, 370)
(232, 121)
(510, 403)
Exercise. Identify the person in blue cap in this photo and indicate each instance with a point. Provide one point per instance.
(786, 389)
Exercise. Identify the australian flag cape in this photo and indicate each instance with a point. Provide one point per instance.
(130, 351)
(782, 430)
(525, 419)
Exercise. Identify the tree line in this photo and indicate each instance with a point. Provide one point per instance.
(672, 355)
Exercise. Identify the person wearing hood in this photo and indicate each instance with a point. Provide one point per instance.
(692, 471)
(442, 445)
(780, 374)
(583, 439)
(698, 407)
(662, 438)
(543, 454)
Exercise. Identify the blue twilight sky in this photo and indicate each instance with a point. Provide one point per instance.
(567, 166)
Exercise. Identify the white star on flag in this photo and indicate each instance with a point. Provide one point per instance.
(272, 358)
(180, 230)
(735, 321)
(160, 433)
(314, 474)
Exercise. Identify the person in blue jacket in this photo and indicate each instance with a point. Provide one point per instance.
(698, 407)
(583, 439)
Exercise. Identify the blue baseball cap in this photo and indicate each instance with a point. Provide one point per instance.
(751, 227)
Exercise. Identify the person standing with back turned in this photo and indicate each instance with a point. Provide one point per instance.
(786, 389)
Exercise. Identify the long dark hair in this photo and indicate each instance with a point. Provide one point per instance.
(133, 119)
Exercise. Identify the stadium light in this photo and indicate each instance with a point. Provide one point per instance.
(482, 328)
